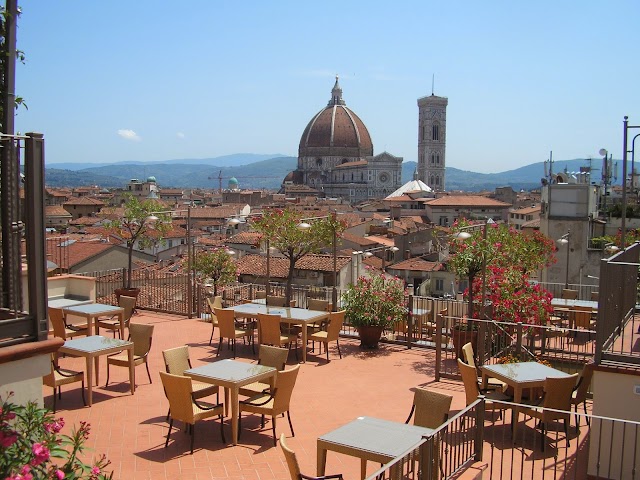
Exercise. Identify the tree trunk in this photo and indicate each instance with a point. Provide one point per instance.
(130, 266)
(292, 264)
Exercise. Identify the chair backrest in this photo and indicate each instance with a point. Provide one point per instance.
(285, 381)
(56, 317)
(177, 388)
(269, 328)
(569, 294)
(141, 335)
(585, 382)
(320, 305)
(50, 379)
(582, 317)
(261, 294)
(470, 380)
(336, 319)
(595, 296)
(275, 357)
(176, 360)
(431, 408)
(557, 394)
(292, 460)
(467, 351)
(226, 322)
(128, 303)
(276, 301)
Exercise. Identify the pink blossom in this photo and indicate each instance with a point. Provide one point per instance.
(95, 470)
(40, 452)
(8, 438)
(59, 474)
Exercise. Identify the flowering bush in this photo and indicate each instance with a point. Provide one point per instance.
(375, 300)
(32, 447)
(512, 358)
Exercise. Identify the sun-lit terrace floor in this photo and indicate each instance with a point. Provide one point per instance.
(131, 430)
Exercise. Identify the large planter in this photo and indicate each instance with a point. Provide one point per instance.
(369, 336)
(461, 337)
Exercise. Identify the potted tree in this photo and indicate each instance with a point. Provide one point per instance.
(217, 267)
(141, 225)
(372, 304)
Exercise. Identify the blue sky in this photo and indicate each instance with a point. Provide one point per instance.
(109, 81)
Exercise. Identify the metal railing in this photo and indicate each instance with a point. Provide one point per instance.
(603, 448)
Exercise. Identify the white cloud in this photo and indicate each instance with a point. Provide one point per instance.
(180, 135)
(129, 135)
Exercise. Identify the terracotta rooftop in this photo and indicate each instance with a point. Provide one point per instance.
(357, 163)
(77, 251)
(84, 201)
(526, 210)
(466, 201)
(246, 238)
(56, 211)
(279, 266)
(418, 265)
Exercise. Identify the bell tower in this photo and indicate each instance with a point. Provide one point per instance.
(432, 139)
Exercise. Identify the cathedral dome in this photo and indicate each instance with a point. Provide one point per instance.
(335, 131)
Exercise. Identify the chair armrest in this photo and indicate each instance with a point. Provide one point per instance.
(61, 372)
(577, 384)
(307, 477)
(413, 407)
(269, 398)
(202, 405)
(75, 328)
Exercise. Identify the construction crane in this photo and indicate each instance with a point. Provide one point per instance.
(220, 177)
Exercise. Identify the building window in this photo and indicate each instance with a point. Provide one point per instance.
(435, 133)
(319, 162)
(439, 284)
(433, 159)
(438, 159)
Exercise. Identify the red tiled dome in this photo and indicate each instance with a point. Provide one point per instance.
(336, 131)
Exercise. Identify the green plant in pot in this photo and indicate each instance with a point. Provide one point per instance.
(372, 304)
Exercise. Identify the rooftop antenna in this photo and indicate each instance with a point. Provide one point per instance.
(433, 81)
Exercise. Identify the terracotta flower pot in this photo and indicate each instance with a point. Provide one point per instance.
(369, 336)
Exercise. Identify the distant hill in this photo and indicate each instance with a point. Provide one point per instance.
(267, 172)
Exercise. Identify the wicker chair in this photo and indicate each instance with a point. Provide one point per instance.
(61, 329)
(582, 317)
(129, 304)
(557, 396)
(141, 336)
(228, 330)
(594, 297)
(272, 403)
(294, 466)
(569, 294)
(62, 376)
(261, 294)
(176, 361)
(274, 301)
(212, 304)
(319, 305)
(185, 408)
(469, 357)
(472, 389)
(268, 356)
(579, 395)
(270, 334)
(332, 333)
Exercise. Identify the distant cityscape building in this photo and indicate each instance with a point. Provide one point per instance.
(335, 156)
(432, 139)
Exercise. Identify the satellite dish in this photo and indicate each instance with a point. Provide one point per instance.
(603, 151)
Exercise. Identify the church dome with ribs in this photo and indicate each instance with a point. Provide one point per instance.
(335, 131)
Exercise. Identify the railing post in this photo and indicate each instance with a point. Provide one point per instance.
(439, 321)
(518, 339)
(410, 321)
(479, 437)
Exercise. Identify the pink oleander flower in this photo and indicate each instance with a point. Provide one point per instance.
(59, 474)
(95, 471)
(8, 438)
(41, 453)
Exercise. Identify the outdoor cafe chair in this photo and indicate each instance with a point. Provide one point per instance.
(261, 294)
(332, 332)
(269, 356)
(270, 334)
(272, 403)
(554, 405)
(569, 294)
(319, 305)
(274, 301)
(472, 389)
(62, 376)
(176, 361)
(141, 336)
(129, 304)
(185, 408)
(294, 465)
(228, 330)
(212, 304)
(582, 317)
(61, 329)
(492, 383)
(579, 394)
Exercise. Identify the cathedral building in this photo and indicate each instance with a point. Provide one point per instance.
(432, 139)
(335, 157)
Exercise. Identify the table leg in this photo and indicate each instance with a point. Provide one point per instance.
(234, 415)
(96, 327)
(305, 336)
(89, 381)
(226, 401)
(515, 416)
(132, 370)
(321, 460)
(97, 368)
(121, 319)
(363, 468)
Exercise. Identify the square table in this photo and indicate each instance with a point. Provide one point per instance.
(372, 439)
(92, 311)
(567, 305)
(91, 348)
(231, 374)
(520, 376)
(290, 315)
